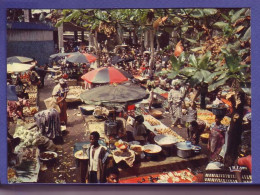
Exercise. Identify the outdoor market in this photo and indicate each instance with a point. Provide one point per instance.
(142, 96)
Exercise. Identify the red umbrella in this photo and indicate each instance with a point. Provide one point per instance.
(81, 58)
(106, 75)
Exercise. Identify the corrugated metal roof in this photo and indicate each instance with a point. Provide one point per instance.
(29, 26)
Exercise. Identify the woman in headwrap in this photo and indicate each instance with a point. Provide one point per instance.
(61, 91)
(216, 138)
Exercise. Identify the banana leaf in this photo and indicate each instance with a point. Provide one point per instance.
(217, 84)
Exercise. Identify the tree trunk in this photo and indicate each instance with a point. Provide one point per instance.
(134, 37)
(141, 42)
(91, 40)
(146, 40)
(235, 132)
(97, 49)
(152, 50)
(158, 43)
(120, 35)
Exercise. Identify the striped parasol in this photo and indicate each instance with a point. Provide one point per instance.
(19, 59)
(81, 58)
(106, 75)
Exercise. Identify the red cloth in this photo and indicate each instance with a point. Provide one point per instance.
(63, 111)
(145, 179)
(165, 95)
(246, 161)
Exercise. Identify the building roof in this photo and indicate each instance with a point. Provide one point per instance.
(69, 26)
(29, 26)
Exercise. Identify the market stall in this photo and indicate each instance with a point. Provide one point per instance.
(158, 128)
(74, 94)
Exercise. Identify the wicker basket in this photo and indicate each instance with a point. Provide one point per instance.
(156, 113)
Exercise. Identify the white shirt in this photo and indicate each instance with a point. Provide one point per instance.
(93, 162)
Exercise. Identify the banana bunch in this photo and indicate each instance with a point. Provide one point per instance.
(106, 29)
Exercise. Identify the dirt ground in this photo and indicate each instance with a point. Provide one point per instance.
(64, 169)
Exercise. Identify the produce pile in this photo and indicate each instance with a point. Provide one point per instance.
(209, 117)
(30, 111)
(28, 137)
(152, 121)
(74, 92)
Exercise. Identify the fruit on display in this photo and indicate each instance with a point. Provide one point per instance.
(30, 111)
(152, 121)
(121, 145)
(74, 91)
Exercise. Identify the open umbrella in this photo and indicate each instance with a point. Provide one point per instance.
(59, 55)
(11, 93)
(106, 75)
(81, 58)
(113, 94)
(18, 59)
(18, 67)
(118, 59)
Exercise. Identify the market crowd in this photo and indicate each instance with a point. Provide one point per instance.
(180, 99)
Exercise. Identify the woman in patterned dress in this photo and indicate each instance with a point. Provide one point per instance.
(216, 138)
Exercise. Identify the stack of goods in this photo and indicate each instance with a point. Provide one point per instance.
(31, 89)
(183, 176)
(32, 98)
(74, 92)
(152, 121)
(159, 128)
(72, 82)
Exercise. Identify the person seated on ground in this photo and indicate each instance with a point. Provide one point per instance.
(112, 175)
(194, 131)
(140, 131)
(97, 160)
(218, 100)
(34, 77)
(15, 108)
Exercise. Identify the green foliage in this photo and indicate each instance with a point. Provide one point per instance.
(194, 27)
